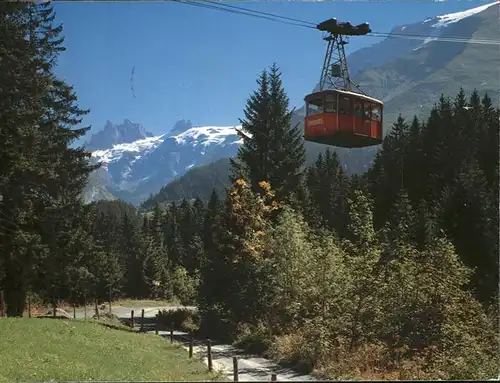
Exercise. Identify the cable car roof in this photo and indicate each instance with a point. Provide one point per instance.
(344, 92)
(347, 29)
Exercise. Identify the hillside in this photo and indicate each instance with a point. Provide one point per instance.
(197, 182)
(410, 84)
(60, 350)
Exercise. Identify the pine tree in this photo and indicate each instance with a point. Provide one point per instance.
(328, 187)
(172, 235)
(388, 174)
(47, 176)
(450, 168)
(251, 160)
(199, 210)
(155, 227)
(214, 208)
(132, 249)
(103, 260)
(209, 293)
(287, 152)
(272, 150)
(20, 111)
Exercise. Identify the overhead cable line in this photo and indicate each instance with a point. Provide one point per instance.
(216, 5)
(435, 38)
(261, 13)
(373, 34)
(211, 6)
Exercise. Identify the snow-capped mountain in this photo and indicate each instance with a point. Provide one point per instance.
(460, 24)
(134, 170)
(453, 55)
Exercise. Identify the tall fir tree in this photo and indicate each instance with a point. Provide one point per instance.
(328, 188)
(39, 112)
(272, 149)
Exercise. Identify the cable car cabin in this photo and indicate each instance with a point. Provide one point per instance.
(342, 118)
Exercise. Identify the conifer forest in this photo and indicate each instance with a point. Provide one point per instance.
(390, 274)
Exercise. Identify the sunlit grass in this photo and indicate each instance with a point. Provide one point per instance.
(51, 349)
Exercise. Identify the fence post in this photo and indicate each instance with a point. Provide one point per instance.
(274, 378)
(29, 305)
(235, 368)
(209, 354)
(96, 309)
(132, 318)
(74, 311)
(191, 345)
(110, 298)
(85, 307)
(142, 321)
(172, 334)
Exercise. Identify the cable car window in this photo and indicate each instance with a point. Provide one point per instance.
(358, 108)
(314, 107)
(367, 110)
(331, 104)
(376, 112)
(345, 105)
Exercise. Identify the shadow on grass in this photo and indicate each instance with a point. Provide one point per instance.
(220, 349)
(225, 351)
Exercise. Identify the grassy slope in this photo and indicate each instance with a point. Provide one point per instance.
(44, 349)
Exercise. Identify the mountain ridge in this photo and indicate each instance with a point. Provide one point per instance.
(133, 170)
(113, 134)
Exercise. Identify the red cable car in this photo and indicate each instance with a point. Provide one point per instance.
(335, 114)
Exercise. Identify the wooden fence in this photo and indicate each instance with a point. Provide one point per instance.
(190, 340)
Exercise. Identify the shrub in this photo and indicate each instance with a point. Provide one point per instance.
(214, 321)
(254, 339)
(181, 319)
(184, 286)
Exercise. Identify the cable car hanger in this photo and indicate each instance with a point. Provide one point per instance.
(336, 114)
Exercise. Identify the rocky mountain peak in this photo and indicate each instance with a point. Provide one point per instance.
(114, 134)
(180, 127)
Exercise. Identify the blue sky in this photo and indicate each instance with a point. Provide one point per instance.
(201, 64)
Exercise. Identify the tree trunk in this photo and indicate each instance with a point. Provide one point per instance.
(15, 291)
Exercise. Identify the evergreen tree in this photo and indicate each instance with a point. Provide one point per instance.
(272, 150)
(47, 176)
(447, 164)
(387, 176)
(103, 259)
(155, 226)
(172, 235)
(132, 249)
(214, 209)
(328, 188)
